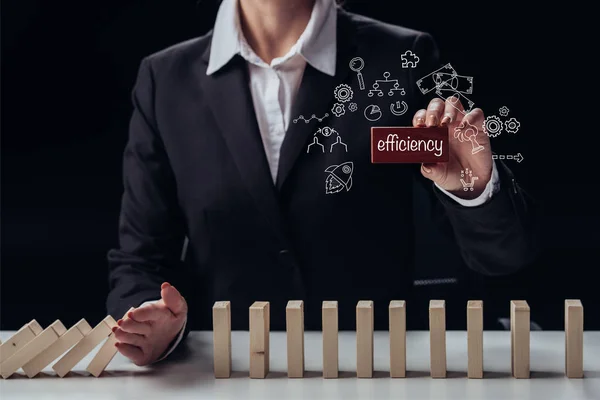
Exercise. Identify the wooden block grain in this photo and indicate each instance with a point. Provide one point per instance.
(475, 339)
(84, 346)
(437, 338)
(330, 339)
(573, 339)
(364, 339)
(222, 339)
(397, 326)
(103, 357)
(259, 339)
(38, 344)
(519, 338)
(294, 314)
(62, 344)
(17, 341)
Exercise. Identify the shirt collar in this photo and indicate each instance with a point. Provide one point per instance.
(317, 44)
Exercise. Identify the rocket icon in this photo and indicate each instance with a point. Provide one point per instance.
(339, 178)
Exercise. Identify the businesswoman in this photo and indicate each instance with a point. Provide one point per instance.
(247, 174)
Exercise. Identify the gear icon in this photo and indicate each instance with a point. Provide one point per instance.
(504, 111)
(338, 109)
(492, 126)
(343, 93)
(512, 125)
(353, 107)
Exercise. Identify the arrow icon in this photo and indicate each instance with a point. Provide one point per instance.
(517, 157)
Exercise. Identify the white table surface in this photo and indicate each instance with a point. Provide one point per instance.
(191, 377)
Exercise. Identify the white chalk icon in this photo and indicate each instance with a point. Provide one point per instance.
(399, 108)
(447, 83)
(512, 125)
(372, 112)
(504, 111)
(338, 109)
(409, 59)
(356, 65)
(339, 143)
(517, 157)
(492, 126)
(353, 107)
(343, 93)
(339, 178)
(315, 145)
(453, 97)
(467, 179)
(326, 131)
(395, 86)
(432, 81)
(467, 132)
(301, 118)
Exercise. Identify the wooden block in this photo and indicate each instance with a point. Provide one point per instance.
(330, 339)
(17, 341)
(38, 344)
(84, 346)
(222, 339)
(573, 339)
(409, 145)
(259, 339)
(294, 314)
(519, 338)
(103, 357)
(397, 322)
(437, 338)
(59, 347)
(475, 339)
(364, 339)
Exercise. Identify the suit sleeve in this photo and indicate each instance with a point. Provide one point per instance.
(498, 237)
(151, 228)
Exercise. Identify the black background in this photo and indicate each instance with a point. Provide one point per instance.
(67, 72)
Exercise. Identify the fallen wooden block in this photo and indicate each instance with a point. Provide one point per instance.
(397, 323)
(84, 346)
(222, 339)
(519, 338)
(295, 338)
(330, 339)
(56, 349)
(364, 339)
(437, 338)
(475, 339)
(17, 341)
(573, 339)
(38, 344)
(259, 339)
(103, 357)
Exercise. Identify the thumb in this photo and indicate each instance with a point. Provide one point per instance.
(433, 171)
(173, 300)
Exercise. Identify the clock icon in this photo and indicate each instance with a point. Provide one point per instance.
(372, 112)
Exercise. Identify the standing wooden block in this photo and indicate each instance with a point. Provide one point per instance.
(573, 339)
(364, 339)
(222, 339)
(294, 314)
(397, 321)
(103, 357)
(259, 339)
(330, 339)
(62, 344)
(475, 338)
(17, 341)
(437, 338)
(84, 346)
(519, 338)
(38, 344)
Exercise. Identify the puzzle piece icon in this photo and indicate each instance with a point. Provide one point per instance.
(409, 59)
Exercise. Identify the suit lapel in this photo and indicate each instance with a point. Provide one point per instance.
(315, 96)
(232, 105)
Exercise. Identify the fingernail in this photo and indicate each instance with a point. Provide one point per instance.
(116, 344)
(114, 328)
(446, 120)
(420, 121)
(119, 322)
(432, 120)
(130, 314)
(426, 169)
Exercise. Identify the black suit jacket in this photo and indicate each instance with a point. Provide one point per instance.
(194, 166)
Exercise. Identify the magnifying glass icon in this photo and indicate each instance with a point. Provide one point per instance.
(356, 65)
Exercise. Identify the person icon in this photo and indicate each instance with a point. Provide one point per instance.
(338, 140)
(318, 145)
